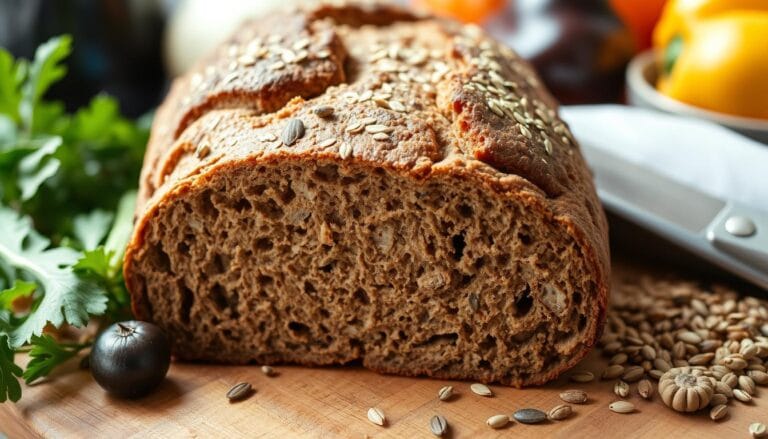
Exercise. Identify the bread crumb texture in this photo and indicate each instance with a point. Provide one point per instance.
(351, 182)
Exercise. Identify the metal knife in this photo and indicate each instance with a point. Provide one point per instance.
(727, 233)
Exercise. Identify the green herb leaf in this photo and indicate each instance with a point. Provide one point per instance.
(66, 298)
(90, 229)
(97, 263)
(19, 289)
(9, 373)
(10, 96)
(45, 355)
(43, 72)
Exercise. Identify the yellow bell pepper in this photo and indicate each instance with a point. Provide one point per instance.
(714, 54)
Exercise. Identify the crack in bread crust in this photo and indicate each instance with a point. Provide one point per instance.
(420, 101)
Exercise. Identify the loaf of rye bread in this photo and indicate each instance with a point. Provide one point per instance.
(350, 183)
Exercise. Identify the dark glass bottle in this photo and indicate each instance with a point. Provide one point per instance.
(579, 47)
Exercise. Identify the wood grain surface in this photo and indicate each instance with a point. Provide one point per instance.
(332, 402)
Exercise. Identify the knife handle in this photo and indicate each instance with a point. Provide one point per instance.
(742, 232)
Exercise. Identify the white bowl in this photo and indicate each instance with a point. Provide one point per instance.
(641, 77)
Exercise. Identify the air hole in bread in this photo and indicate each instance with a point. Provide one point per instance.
(159, 259)
(309, 288)
(458, 246)
(186, 303)
(525, 238)
(327, 173)
(242, 205)
(523, 302)
(362, 296)
(465, 210)
(270, 209)
(219, 297)
(441, 340)
(488, 343)
(263, 244)
(299, 329)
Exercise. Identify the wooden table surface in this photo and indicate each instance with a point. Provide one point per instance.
(332, 402)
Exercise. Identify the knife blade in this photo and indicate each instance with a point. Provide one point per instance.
(680, 213)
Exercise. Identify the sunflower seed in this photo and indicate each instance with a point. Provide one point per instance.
(622, 407)
(267, 370)
(529, 416)
(582, 377)
(645, 389)
(395, 105)
(376, 416)
(293, 131)
(445, 393)
(239, 391)
(323, 111)
(322, 54)
(759, 377)
(497, 421)
(718, 412)
(621, 389)
(345, 150)
(374, 129)
(717, 399)
(612, 372)
(633, 373)
(574, 396)
(560, 412)
(758, 429)
(326, 143)
(354, 127)
(438, 425)
(481, 389)
(742, 395)
(277, 66)
(381, 137)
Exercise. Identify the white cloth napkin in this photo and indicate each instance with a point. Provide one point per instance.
(700, 154)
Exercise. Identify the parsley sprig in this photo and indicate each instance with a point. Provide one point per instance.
(66, 204)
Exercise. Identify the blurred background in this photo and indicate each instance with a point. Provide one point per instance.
(129, 48)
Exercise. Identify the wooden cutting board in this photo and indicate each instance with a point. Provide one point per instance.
(332, 402)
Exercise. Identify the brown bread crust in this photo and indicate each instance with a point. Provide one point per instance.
(457, 106)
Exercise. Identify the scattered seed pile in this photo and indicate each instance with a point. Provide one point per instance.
(704, 348)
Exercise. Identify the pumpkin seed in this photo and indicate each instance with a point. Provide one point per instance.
(438, 425)
(758, 429)
(239, 391)
(497, 421)
(481, 389)
(376, 416)
(622, 407)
